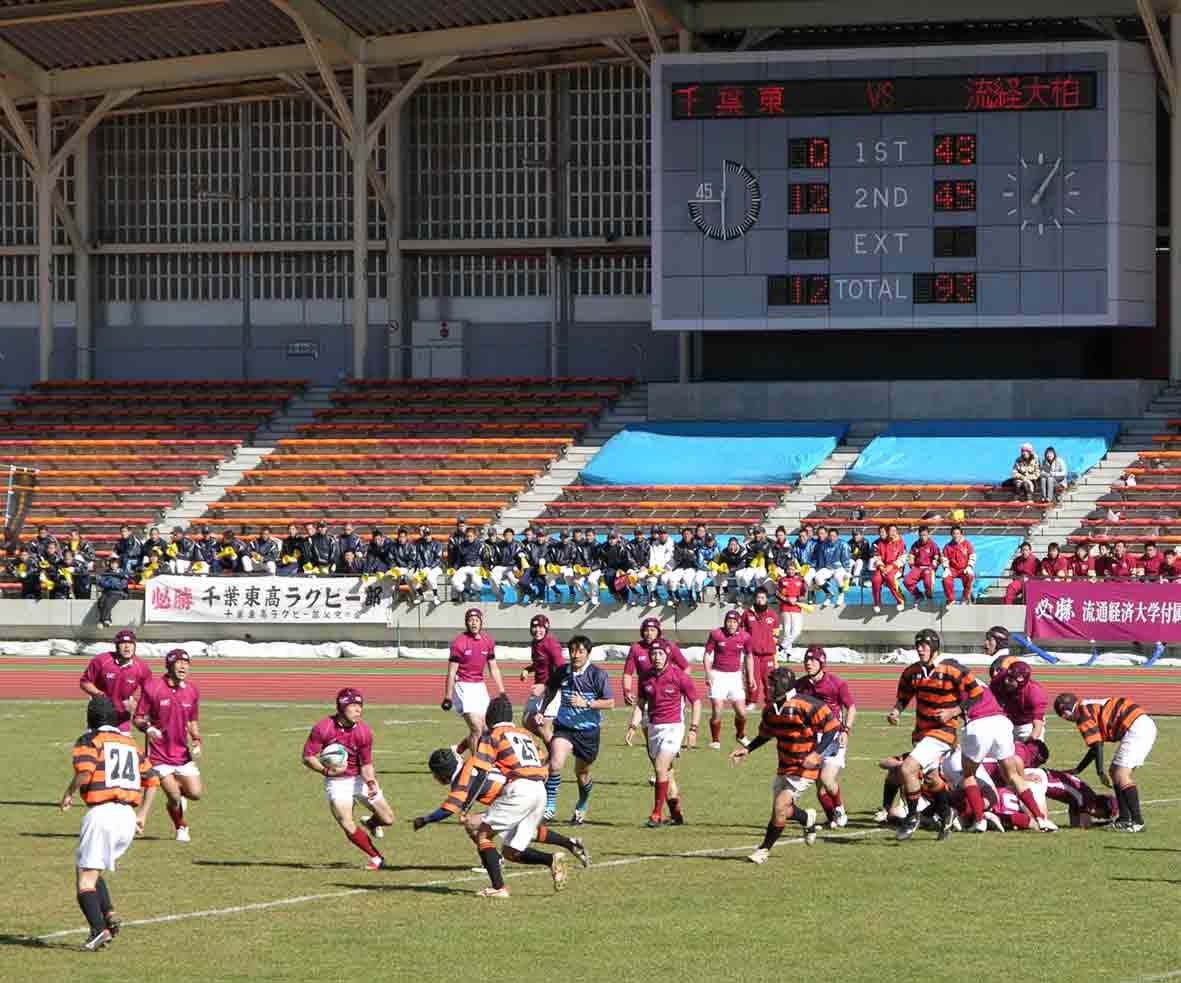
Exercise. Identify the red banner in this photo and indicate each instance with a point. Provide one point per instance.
(1103, 612)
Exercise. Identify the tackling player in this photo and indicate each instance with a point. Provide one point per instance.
(546, 655)
(834, 692)
(803, 729)
(727, 669)
(583, 692)
(1022, 699)
(464, 687)
(1115, 719)
(663, 692)
(111, 776)
(167, 712)
(121, 675)
(355, 779)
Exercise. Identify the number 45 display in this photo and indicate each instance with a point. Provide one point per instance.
(722, 230)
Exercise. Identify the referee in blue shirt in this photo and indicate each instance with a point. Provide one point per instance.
(586, 692)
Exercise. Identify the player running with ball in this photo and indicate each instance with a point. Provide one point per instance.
(353, 779)
(803, 729)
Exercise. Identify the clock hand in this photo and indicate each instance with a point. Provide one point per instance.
(1037, 195)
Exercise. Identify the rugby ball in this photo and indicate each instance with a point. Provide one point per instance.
(334, 756)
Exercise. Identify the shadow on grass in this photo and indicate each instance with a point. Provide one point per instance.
(1145, 849)
(28, 942)
(74, 836)
(1148, 880)
(34, 805)
(273, 863)
(415, 888)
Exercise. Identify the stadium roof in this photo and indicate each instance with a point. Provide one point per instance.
(74, 48)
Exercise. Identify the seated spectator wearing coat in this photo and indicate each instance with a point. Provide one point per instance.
(1026, 472)
(1052, 480)
(112, 586)
(1023, 567)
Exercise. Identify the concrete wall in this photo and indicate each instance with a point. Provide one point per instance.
(949, 399)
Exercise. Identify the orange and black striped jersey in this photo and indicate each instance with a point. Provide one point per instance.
(461, 785)
(1107, 720)
(934, 688)
(511, 751)
(796, 726)
(111, 768)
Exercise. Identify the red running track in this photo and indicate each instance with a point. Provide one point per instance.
(401, 682)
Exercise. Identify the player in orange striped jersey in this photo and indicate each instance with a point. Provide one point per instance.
(112, 776)
(1115, 719)
(803, 728)
(516, 814)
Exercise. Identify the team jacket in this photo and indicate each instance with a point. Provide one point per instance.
(959, 556)
(615, 557)
(349, 542)
(685, 556)
(560, 553)
(430, 553)
(404, 556)
(924, 556)
(833, 556)
(781, 554)
(111, 768)
(321, 550)
(734, 560)
(1050, 568)
(639, 551)
(267, 550)
(804, 552)
(889, 553)
(532, 555)
(129, 549)
(1024, 566)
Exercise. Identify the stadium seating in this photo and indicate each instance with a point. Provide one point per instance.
(418, 452)
(721, 508)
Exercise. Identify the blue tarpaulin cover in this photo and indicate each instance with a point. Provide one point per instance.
(704, 453)
(973, 452)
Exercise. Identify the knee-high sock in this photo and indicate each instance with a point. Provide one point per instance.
(491, 861)
(547, 835)
(360, 839)
(584, 794)
(104, 897)
(773, 833)
(88, 902)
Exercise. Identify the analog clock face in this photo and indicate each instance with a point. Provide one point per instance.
(729, 208)
(1040, 193)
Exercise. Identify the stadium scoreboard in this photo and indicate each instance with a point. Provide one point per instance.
(992, 186)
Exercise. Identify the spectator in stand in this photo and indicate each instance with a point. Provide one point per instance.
(616, 563)
(680, 574)
(505, 568)
(1026, 471)
(707, 557)
(581, 565)
(76, 571)
(155, 550)
(228, 559)
(468, 560)
(833, 566)
(377, 555)
(804, 550)
(924, 557)
(886, 566)
(860, 553)
(262, 555)
(559, 562)
(660, 563)
(753, 571)
(1171, 567)
(1102, 560)
(350, 565)
(40, 544)
(349, 541)
(430, 565)
(959, 563)
(1023, 567)
(593, 562)
(727, 565)
(112, 586)
(180, 553)
(1150, 564)
(402, 560)
(27, 569)
(1052, 480)
(456, 538)
(321, 550)
(56, 577)
(291, 552)
(531, 561)
(1122, 565)
(82, 549)
(1053, 566)
(204, 553)
(1082, 565)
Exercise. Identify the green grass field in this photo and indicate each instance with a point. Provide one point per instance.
(658, 904)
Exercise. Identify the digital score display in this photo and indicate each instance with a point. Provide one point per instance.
(990, 186)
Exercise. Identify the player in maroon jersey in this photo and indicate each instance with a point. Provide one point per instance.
(167, 712)
(356, 779)
(923, 558)
(762, 624)
(1023, 567)
(546, 656)
(727, 658)
(464, 689)
(1053, 566)
(818, 682)
(1022, 699)
(664, 690)
(120, 675)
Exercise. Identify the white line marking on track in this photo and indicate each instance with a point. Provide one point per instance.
(621, 862)
(1155, 979)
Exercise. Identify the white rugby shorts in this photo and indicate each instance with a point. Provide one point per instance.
(929, 752)
(1133, 749)
(727, 686)
(350, 788)
(187, 770)
(470, 698)
(789, 783)
(988, 737)
(517, 812)
(666, 738)
(107, 832)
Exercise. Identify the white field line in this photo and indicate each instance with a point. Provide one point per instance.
(1155, 979)
(622, 862)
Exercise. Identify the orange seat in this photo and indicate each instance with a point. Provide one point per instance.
(98, 443)
(101, 386)
(662, 506)
(677, 489)
(474, 443)
(401, 413)
(280, 491)
(1124, 539)
(118, 489)
(322, 505)
(387, 522)
(265, 473)
(860, 489)
(872, 521)
(1140, 503)
(277, 460)
(932, 504)
(502, 380)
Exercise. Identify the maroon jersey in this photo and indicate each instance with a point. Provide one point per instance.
(1022, 706)
(1083, 567)
(1025, 566)
(356, 738)
(1121, 566)
(1153, 566)
(639, 658)
(547, 656)
(761, 626)
(117, 680)
(889, 552)
(959, 556)
(1051, 569)
(664, 695)
(832, 690)
(169, 709)
(727, 650)
(924, 556)
(472, 655)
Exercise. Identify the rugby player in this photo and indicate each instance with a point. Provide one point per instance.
(823, 685)
(727, 670)
(546, 656)
(464, 688)
(120, 674)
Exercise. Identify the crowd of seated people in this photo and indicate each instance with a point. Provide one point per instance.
(1087, 562)
(1038, 480)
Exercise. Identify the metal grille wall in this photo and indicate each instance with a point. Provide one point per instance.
(313, 276)
(480, 276)
(169, 277)
(480, 159)
(612, 275)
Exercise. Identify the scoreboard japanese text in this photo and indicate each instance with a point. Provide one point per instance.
(992, 186)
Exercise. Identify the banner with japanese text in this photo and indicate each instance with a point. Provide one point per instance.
(1103, 612)
(278, 600)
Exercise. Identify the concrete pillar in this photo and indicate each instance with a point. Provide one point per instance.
(398, 334)
(551, 269)
(360, 220)
(44, 240)
(84, 332)
(684, 340)
(1175, 208)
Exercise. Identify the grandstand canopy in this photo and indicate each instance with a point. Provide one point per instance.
(66, 49)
